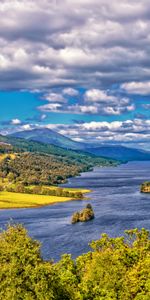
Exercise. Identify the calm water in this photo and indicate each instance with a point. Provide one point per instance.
(116, 200)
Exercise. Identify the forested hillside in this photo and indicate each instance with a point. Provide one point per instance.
(115, 269)
(21, 145)
(38, 169)
(37, 163)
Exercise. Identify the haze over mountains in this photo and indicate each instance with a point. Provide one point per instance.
(48, 136)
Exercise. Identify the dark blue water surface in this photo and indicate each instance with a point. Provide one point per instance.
(116, 200)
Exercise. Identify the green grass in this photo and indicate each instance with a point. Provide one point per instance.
(17, 200)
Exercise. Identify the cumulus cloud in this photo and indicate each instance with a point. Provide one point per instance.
(130, 131)
(94, 101)
(15, 122)
(74, 53)
(96, 44)
(70, 92)
(51, 107)
(96, 95)
(140, 88)
(54, 97)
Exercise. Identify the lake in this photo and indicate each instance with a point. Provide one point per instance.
(116, 200)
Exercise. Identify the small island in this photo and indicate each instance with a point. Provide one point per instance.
(145, 187)
(84, 215)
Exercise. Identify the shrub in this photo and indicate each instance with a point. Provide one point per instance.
(84, 215)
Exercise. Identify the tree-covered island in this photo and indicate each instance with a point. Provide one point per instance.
(86, 214)
(145, 187)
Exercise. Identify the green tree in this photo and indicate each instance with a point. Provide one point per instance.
(23, 274)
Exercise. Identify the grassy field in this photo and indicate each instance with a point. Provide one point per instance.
(18, 200)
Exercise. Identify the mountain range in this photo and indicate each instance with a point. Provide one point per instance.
(48, 136)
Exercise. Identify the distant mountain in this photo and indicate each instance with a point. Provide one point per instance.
(70, 157)
(48, 136)
(120, 153)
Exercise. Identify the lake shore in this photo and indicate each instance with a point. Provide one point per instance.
(116, 201)
(9, 200)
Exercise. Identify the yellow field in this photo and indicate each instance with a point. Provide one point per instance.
(18, 200)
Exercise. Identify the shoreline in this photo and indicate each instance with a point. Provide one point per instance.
(31, 202)
(9, 200)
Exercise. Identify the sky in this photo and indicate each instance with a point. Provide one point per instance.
(79, 67)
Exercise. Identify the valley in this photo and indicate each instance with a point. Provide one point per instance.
(30, 172)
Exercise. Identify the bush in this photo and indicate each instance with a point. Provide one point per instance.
(84, 215)
(1, 188)
(116, 268)
(19, 188)
(23, 274)
(75, 217)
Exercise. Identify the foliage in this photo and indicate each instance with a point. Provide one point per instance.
(23, 274)
(84, 215)
(117, 268)
(70, 156)
(145, 187)
(42, 169)
(5, 148)
(35, 169)
(44, 190)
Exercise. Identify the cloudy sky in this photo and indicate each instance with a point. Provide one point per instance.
(80, 67)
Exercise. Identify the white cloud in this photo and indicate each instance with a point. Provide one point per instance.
(70, 92)
(93, 101)
(26, 127)
(99, 44)
(140, 88)
(51, 107)
(43, 117)
(95, 95)
(96, 44)
(54, 97)
(15, 122)
(129, 132)
(90, 109)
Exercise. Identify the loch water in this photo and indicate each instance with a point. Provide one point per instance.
(115, 198)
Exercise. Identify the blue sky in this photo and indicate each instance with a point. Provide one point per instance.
(25, 106)
(84, 74)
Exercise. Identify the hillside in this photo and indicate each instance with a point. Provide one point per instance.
(120, 152)
(117, 152)
(33, 163)
(48, 136)
(22, 145)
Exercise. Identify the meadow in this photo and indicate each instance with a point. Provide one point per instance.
(10, 200)
(15, 194)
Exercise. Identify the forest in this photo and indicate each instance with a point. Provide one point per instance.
(115, 268)
(12, 144)
(33, 163)
(38, 169)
